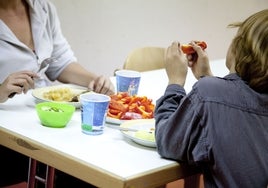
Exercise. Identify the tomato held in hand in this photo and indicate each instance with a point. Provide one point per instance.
(188, 49)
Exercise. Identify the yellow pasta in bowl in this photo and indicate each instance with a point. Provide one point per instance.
(60, 94)
(63, 93)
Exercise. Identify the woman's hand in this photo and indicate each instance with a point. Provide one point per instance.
(76, 74)
(199, 62)
(19, 82)
(102, 85)
(176, 64)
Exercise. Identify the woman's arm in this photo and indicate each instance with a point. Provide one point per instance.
(74, 73)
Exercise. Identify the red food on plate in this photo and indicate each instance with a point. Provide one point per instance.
(131, 115)
(188, 49)
(125, 107)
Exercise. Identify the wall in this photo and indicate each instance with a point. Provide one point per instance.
(103, 32)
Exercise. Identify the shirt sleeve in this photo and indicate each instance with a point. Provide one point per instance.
(180, 134)
(61, 48)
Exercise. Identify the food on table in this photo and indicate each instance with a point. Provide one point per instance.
(59, 94)
(145, 135)
(188, 49)
(52, 109)
(54, 114)
(125, 107)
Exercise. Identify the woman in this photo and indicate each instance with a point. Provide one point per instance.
(30, 33)
(221, 125)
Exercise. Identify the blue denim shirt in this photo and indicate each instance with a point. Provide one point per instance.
(221, 126)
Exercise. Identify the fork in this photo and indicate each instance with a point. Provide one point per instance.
(43, 67)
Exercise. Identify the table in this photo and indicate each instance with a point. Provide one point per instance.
(108, 160)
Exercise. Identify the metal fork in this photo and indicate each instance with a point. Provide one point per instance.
(43, 67)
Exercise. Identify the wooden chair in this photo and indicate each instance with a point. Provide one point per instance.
(34, 177)
(145, 59)
(152, 58)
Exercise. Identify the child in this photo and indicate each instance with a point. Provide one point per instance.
(221, 126)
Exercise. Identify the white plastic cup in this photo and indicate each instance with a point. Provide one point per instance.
(128, 81)
(94, 108)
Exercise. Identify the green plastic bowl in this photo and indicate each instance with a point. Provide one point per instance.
(53, 114)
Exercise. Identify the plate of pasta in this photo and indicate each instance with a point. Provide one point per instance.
(63, 93)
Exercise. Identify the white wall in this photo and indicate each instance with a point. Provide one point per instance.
(103, 32)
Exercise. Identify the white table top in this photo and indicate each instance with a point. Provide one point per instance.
(111, 156)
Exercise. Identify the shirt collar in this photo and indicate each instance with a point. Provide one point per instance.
(232, 76)
(30, 3)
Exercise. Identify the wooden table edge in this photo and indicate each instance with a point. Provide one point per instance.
(90, 173)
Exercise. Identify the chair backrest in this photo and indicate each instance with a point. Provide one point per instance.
(145, 59)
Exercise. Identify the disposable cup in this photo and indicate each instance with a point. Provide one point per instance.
(94, 108)
(128, 81)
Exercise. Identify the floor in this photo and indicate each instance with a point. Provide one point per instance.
(180, 184)
(19, 185)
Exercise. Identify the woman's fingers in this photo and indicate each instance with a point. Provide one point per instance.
(102, 85)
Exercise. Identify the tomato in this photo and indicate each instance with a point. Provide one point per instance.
(114, 111)
(116, 116)
(145, 115)
(118, 106)
(188, 49)
(126, 107)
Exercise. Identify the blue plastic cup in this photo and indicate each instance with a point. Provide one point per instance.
(128, 81)
(94, 108)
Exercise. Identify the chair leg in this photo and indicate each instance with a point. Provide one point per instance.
(33, 177)
(50, 174)
(31, 173)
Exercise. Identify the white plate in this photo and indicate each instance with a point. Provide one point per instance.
(114, 120)
(118, 121)
(38, 93)
(144, 125)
